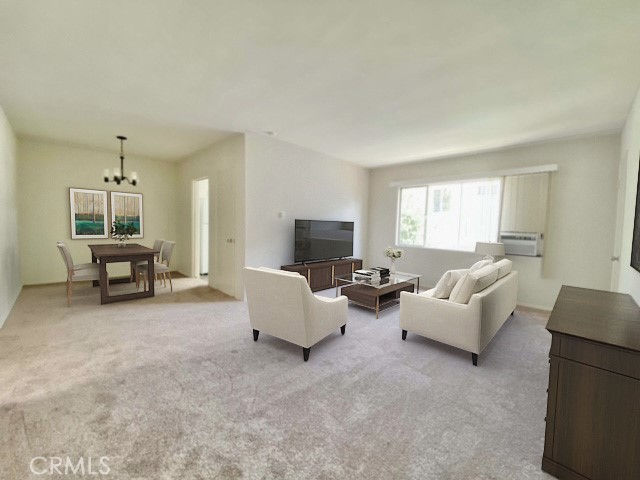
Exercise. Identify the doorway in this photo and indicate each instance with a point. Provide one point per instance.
(201, 228)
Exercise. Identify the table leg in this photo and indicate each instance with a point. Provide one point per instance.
(104, 283)
(94, 260)
(152, 277)
(377, 306)
(418, 285)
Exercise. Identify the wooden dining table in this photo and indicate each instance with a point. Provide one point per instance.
(131, 253)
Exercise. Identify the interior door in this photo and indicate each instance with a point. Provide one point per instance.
(204, 235)
(224, 232)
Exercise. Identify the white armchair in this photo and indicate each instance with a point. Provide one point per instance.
(281, 304)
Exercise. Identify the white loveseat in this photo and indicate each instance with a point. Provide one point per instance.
(469, 326)
(281, 304)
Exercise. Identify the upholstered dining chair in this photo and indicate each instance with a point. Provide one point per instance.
(77, 273)
(159, 268)
(157, 245)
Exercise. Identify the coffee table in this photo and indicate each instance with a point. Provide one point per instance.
(376, 296)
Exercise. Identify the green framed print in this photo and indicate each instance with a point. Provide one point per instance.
(88, 213)
(127, 208)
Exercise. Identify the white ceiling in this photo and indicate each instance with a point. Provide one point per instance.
(374, 82)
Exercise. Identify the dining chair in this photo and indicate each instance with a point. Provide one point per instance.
(159, 268)
(77, 273)
(157, 245)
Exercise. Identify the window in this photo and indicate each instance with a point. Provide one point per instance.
(450, 215)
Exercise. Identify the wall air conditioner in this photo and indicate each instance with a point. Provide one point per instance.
(522, 243)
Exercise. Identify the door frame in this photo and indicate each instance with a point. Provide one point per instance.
(195, 226)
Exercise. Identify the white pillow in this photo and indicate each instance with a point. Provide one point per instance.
(504, 267)
(447, 282)
(486, 276)
(473, 282)
(479, 265)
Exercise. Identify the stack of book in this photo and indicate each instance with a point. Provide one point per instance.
(384, 272)
(369, 275)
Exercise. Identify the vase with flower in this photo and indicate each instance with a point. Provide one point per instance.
(393, 254)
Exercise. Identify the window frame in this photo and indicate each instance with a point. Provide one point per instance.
(444, 182)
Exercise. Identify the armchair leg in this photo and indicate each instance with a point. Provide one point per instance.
(343, 328)
(474, 359)
(305, 353)
(255, 334)
(512, 313)
(404, 334)
(170, 283)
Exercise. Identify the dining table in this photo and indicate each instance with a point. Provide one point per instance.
(132, 253)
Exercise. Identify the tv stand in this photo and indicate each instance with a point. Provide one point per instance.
(313, 262)
(321, 275)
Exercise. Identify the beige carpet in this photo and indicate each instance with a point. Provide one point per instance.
(175, 387)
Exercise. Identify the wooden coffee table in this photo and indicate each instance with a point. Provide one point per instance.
(377, 296)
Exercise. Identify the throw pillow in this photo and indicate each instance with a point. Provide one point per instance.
(504, 267)
(479, 265)
(463, 290)
(473, 282)
(486, 276)
(447, 282)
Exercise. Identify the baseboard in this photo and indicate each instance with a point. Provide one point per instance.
(13, 303)
(533, 306)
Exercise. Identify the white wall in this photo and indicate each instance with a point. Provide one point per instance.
(10, 280)
(47, 170)
(580, 226)
(223, 164)
(629, 278)
(281, 177)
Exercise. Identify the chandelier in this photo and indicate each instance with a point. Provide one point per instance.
(118, 173)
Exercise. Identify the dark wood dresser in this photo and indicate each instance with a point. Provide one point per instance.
(593, 407)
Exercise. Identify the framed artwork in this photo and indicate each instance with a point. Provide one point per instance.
(635, 243)
(127, 208)
(88, 213)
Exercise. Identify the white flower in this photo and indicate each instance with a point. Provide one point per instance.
(393, 252)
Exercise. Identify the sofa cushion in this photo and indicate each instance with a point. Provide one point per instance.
(473, 282)
(479, 265)
(504, 267)
(447, 282)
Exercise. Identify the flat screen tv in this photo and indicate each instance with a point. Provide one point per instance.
(322, 240)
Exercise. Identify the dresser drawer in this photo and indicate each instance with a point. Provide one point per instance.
(606, 357)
